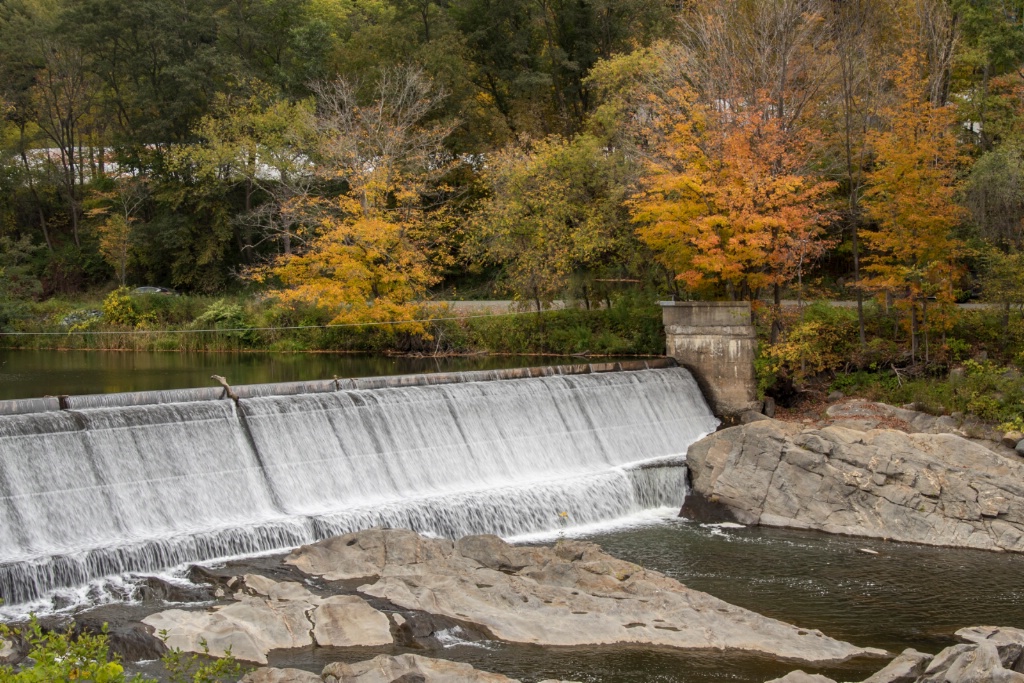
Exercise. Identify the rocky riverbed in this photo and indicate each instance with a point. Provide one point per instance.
(571, 594)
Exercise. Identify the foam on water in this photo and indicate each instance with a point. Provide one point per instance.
(91, 493)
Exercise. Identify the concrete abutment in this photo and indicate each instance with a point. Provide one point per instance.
(716, 341)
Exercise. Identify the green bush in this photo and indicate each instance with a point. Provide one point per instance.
(230, 317)
(58, 656)
(63, 656)
(119, 309)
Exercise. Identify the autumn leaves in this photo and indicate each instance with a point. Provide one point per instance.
(731, 159)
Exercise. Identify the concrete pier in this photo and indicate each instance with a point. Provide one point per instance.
(717, 343)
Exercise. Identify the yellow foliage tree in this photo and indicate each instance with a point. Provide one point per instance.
(119, 208)
(366, 253)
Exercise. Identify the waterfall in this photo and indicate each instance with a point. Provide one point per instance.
(93, 492)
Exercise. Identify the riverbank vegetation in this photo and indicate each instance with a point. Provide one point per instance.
(128, 321)
(324, 175)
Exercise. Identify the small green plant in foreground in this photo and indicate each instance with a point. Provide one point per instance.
(59, 656)
(63, 656)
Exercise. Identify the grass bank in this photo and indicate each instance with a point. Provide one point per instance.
(155, 322)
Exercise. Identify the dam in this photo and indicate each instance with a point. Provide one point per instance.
(103, 485)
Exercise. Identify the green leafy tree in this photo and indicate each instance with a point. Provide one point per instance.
(258, 144)
(555, 211)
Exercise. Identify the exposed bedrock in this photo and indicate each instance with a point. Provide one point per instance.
(395, 587)
(571, 594)
(935, 489)
(989, 654)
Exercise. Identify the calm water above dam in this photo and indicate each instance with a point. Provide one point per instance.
(29, 374)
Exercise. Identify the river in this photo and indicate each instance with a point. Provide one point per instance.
(903, 596)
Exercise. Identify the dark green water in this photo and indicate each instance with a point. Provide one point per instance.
(30, 374)
(906, 596)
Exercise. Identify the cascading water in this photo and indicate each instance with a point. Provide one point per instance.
(95, 492)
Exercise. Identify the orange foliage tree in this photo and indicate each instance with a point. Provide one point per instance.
(728, 199)
(911, 201)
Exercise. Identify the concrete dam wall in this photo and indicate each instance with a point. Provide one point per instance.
(137, 483)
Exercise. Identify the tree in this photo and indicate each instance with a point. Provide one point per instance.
(555, 211)
(18, 283)
(367, 258)
(859, 37)
(994, 195)
(260, 144)
(992, 47)
(120, 208)
(160, 65)
(730, 145)
(63, 95)
(1002, 280)
(911, 199)
(728, 200)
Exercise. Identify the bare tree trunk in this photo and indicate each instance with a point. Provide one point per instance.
(924, 324)
(35, 193)
(913, 330)
(777, 314)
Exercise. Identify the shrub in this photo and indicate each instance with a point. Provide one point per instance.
(118, 309)
(58, 656)
(823, 339)
(63, 656)
(231, 317)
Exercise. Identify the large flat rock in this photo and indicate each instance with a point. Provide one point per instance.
(935, 489)
(572, 594)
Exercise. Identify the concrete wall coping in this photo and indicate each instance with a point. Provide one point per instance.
(740, 331)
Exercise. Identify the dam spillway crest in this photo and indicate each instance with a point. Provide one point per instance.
(99, 491)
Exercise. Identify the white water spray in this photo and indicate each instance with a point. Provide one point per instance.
(98, 492)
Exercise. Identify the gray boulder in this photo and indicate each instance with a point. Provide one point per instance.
(280, 676)
(990, 655)
(1011, 439)
(802, 677)
(935, 489)
(974, 663)
(906, 668)
(1009, 643)
(9, 651)
(571, 594)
